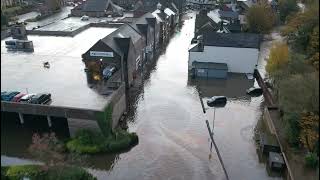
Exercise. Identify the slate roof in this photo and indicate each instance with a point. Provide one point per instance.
(228, 14)
(202, 19)
(124, 31)
(240, 40)
(210, 65)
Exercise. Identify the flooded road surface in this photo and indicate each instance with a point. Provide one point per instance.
(173, 137)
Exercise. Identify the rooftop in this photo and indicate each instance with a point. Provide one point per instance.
(65, 79)
(240, 40)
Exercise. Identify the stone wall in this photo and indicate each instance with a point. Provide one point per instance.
(118, 103)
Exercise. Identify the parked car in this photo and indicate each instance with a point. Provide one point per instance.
(108, 72)
(256, 91)
(26, 98)
(17, 97)
(7, 96)
(84, 18)
(217, 101)
(41, 98)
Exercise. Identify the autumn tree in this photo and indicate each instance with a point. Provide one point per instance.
(260, 18)
(309, 133)
(278, 58)
(300, 26)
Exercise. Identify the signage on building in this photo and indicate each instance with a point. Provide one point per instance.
(101, 54)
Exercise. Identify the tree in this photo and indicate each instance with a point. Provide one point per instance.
(309, 133)
(287, 7)
(300, 26)
(260, 18)
(4, 19)
(278, 58)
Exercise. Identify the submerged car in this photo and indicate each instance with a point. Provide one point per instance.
(26, 98)
(17, 97)
(7, 96)
(108, 72)
(41, 98)
(256, 91)
(217, 101)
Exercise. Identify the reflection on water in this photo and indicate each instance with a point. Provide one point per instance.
(16, 138)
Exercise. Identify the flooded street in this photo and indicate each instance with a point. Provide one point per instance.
(173, 137)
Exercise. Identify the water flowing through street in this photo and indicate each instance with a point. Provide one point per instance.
(174, 141)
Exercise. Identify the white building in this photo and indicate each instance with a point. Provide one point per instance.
(216, 54)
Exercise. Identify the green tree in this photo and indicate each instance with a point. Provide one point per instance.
(287, 7)
(260, 18)
(300, 26)
(4, 19)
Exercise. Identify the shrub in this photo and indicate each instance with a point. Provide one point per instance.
(311, 160)
(69, 172)
(31, 171)
(89, 142)
(76, 146)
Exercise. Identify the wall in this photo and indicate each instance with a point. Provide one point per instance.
(118, 103)
(239, 60)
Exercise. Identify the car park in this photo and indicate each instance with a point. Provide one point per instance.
(217, 101)
(17, 97)
(7, 96)
(41, 98)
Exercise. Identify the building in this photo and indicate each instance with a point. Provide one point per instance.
(224, 52)
(201, 4)
(204, 23)
(9, 3)
(97, 8)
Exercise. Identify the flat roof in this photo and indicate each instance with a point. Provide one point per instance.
(65, 79)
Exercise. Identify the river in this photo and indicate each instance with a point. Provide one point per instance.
(173, 137)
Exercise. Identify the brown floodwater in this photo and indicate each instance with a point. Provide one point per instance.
(166, 114)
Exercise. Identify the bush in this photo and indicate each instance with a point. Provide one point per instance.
(76, 146)
(89, 142)
(311, 160)
(30, 171)
(70, 173)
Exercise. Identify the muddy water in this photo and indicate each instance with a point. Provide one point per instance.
(173, 137)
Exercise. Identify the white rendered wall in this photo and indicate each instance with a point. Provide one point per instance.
(239, 60)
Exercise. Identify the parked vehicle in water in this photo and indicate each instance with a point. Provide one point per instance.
(17, 97)
(217, 101)
(26, 98)
(256, 91)
(84, 18)
(7, 96)
(108, 72)
(41, 98)
(19, 45)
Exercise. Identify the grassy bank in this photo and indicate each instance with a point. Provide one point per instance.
(38, 172)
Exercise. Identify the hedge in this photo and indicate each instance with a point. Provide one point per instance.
(37, 172)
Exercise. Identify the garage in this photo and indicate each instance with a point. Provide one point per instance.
(210, 70)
